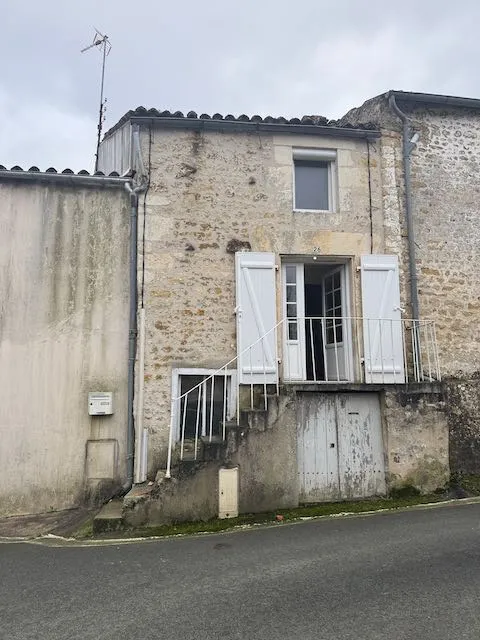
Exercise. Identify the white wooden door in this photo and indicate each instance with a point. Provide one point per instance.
(336, 334)
(317, 449)
(361, 458)
(256, 318)
(382, 326)
(293, 328)
(340, 446)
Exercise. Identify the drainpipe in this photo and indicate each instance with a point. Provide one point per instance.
(132, 328)
(408, 146)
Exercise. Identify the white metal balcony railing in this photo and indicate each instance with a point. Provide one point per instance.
(315, 350)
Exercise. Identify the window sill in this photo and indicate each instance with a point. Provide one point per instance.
(313, 211)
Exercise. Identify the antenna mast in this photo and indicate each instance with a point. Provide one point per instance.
(102, 43)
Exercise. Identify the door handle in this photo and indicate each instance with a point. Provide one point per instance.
(401, 309)
(332, 445)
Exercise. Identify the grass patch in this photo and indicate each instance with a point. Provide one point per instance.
(279, 516)
(85, 531)
(468, 482)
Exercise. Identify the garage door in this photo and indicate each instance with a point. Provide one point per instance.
(340, 446)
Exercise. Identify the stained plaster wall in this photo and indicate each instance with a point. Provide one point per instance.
(63, 332)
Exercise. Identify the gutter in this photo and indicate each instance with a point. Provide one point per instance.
(198, 124)
(68, 179)
(436, 99)
(407, 148)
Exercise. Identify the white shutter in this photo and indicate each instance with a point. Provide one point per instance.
(382, 326)
(256, 317)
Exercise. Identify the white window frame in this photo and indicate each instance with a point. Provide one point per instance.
(318, 155)
(231, 391)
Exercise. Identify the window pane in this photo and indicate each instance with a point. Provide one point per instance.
(291, 273)
(338, 299)
(191, 406)
(336, 280)
(291, 293)
(311, 185)
(291, 310)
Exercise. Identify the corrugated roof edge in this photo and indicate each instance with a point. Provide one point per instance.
(67, 176)
(316, 125)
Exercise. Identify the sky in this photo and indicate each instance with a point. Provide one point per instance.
(266, 57)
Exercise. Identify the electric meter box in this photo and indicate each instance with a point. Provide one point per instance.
(100, 403)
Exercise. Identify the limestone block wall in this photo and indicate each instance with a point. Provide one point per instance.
(446, 199)
(445, 169)
(210, 194)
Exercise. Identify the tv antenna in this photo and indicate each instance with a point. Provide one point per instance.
(103, 44)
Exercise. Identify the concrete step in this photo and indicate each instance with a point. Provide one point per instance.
(256, 419)
(214, 448)
(109, 518)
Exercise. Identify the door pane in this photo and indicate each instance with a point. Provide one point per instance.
(292, 331)
(291, 293)
(291, 273)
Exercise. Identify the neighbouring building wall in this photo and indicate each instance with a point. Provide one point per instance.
(445, 165)
(115, 152)
(63, 332)
(212, 194)
(445, 196)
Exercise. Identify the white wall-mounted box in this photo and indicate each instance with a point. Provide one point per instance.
(100, 403)
(228, 493)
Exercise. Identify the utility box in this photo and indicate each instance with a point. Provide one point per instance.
(100, 403)
(228, 493)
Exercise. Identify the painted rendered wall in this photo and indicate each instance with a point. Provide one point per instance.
(63, 332)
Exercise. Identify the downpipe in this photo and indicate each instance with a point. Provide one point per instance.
(132, 329)
(408, 144)
(407, 147)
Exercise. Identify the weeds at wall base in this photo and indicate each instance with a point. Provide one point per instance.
(280, 516)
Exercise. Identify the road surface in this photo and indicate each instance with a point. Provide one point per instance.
(413, 574)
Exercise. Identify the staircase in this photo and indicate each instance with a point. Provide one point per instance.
(191, 493)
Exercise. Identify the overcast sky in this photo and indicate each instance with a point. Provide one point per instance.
(277, 57)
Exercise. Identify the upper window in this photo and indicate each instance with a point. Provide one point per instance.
(314, 179)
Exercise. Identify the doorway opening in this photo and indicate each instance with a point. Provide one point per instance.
(317, 336)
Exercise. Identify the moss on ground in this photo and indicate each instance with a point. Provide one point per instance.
(468, 482)
(279, 516)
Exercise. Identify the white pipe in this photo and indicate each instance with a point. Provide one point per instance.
(140, 441)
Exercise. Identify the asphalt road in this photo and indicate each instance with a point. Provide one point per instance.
(412, 575)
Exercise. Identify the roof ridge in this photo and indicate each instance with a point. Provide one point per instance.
(306, 120)
(67, 171)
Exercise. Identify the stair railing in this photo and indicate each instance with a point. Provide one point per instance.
(380, 363)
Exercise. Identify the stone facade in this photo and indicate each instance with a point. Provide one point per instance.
(444, 168)
(208, 192)
(212, 193)
(446, 198)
